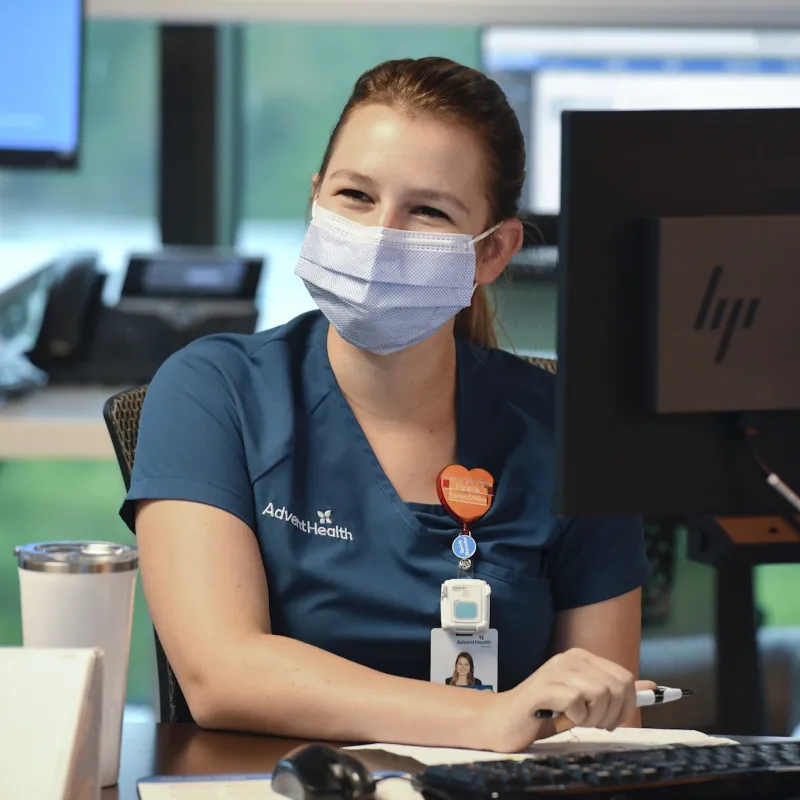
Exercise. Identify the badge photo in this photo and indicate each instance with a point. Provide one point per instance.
(466, 662)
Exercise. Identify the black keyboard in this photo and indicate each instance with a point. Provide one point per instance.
(767, 770)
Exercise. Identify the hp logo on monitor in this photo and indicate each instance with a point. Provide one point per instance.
(727, 315)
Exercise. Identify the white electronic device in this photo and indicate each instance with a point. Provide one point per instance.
(51, 704)
(465, 605)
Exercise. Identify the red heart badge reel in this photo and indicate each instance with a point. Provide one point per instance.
(467, 495)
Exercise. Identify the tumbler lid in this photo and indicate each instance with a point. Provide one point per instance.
(77, 557)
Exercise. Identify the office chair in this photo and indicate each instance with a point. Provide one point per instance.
(121, 414)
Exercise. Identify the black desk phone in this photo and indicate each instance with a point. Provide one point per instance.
(167, 300)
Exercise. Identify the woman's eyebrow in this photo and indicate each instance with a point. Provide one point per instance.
(433, 195)
(353, 176)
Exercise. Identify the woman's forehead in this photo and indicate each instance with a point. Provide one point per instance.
(387, 144)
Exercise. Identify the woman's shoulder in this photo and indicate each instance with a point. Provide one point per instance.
(516, 370)
(230, 359)
(527, 371)
(526, 382)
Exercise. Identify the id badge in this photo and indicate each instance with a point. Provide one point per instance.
(465, 662)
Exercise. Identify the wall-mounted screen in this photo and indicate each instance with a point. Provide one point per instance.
(545, 71)
(41, 43)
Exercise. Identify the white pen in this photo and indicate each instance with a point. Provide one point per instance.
(646, 697)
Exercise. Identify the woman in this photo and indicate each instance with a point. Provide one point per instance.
(463, 672)
(292, 545)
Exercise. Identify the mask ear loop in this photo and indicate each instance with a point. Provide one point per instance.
(477, 239)
(486, 233)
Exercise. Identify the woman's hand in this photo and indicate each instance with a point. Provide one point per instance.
(588, 691)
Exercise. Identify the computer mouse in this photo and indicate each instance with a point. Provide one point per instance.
(320, 772)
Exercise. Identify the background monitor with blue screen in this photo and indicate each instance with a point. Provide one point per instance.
(545, 71)
(41, 44)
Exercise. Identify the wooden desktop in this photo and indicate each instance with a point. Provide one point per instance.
(180, 749)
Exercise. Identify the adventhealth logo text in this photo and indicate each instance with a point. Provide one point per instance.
(323, 526)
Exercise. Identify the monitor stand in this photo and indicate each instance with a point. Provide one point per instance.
(734, 545)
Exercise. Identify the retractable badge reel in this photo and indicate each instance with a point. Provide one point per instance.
(465, 634)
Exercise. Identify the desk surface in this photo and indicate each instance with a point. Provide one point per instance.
(56, 422)
(174, 749)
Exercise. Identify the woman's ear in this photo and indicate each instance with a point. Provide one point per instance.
(500, 247)
(315, 185)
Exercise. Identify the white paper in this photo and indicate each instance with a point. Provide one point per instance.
(574, 739)
(232, 789)
(207, 790)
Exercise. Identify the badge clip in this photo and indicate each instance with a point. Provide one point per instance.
(465, 606)
(466, 495)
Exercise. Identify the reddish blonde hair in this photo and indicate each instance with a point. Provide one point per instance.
(463, 96)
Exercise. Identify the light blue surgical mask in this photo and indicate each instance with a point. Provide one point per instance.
(384, 289)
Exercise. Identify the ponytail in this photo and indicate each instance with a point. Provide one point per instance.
(476, 323)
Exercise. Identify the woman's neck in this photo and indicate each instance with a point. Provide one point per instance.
(416, 384)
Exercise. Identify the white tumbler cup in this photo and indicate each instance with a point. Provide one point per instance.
(80, 594)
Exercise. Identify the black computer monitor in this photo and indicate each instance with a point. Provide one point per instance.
(41, 47)
(679, 312)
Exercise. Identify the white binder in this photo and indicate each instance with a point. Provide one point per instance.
(51, 703)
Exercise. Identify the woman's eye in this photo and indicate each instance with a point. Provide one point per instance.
(354, 194)
(427, 211)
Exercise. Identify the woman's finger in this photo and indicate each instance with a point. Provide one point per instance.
(594, 688)
(567, 699)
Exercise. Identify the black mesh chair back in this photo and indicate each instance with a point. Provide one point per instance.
(660, 542)
(121, 413)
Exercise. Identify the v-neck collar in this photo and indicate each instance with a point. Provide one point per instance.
(480, 427)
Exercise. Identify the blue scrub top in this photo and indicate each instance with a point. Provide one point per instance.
(257, 425)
